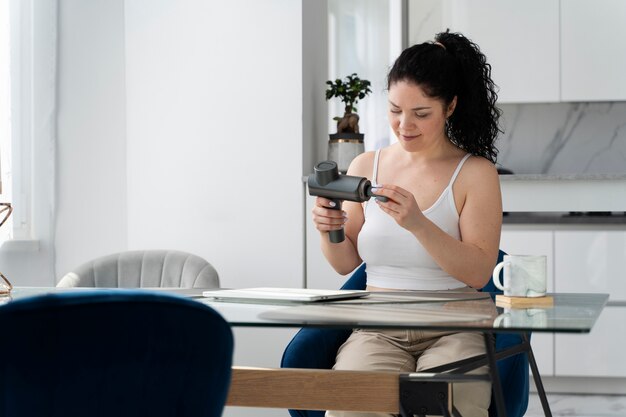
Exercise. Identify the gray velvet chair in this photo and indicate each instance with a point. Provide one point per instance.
(146, 268)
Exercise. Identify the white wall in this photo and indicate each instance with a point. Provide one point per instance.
(180, 126)
(91, 209)
(214, 129)
(314, 75)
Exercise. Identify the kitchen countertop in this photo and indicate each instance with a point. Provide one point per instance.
(583, 218)
(562, 177)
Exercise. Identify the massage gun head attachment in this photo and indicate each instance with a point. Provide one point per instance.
(326, 172)
(327, 182)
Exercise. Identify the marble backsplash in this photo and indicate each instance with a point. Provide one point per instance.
(563, 138)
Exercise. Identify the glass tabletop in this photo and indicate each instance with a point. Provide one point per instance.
(569, 312)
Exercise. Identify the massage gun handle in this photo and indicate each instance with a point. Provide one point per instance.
(336, 236)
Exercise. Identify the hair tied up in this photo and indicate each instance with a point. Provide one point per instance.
(462, 72)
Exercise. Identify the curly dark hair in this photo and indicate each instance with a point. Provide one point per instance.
(454, 66)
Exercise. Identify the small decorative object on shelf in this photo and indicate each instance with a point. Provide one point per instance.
(347, 143)
(5, 211)
(5, 285)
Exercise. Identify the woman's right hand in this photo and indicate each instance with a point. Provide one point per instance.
(326, 218)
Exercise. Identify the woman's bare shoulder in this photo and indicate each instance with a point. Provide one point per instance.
(478, 173)
(362, 165)
(477, 167)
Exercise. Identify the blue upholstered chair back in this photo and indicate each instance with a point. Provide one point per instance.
(113, 353)
(317, 348)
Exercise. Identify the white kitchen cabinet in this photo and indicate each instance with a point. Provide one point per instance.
(593, 42)
(588, 261)
(540, 50)
(535, 242)
(597, 354)
(592, 261)
(520, 40)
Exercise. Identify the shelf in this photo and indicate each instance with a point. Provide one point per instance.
(563, 218)
(562, 177)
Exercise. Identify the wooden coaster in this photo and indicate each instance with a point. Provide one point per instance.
(524, 302)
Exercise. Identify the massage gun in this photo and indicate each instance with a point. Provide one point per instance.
(327, 182)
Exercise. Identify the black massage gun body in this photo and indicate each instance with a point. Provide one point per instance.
(327, 182)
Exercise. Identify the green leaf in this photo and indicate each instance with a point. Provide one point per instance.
(350, 90)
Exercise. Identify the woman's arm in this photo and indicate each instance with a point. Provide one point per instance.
(477, 194)
(344, 256)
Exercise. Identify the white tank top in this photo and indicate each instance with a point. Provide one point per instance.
(394, 258)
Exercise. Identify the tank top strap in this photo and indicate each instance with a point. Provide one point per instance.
(458, 169)
(375, 171)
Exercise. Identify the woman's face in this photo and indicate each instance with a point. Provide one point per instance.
(417, 120)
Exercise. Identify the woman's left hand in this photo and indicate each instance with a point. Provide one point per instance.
(401, 206)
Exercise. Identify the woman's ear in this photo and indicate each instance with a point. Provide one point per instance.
(451, 107)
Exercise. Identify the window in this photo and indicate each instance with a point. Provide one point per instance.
(5, 116)
(364, 37)
(21, 49)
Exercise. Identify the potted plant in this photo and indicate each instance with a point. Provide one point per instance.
(347, 143)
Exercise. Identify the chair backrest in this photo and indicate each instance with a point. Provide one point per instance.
(147, 268)
(113, 353)
(490, 287)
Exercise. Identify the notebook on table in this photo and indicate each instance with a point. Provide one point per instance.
(306, 295)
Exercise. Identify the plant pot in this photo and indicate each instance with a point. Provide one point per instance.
(344, 147)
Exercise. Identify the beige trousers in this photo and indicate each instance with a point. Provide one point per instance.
(414, 350)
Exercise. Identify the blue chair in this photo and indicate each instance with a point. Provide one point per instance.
(317, 348)
(113, 353)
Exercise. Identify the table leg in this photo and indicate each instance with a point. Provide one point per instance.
(493, 371)
(538, 383)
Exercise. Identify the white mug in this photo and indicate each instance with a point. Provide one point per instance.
(524, 275)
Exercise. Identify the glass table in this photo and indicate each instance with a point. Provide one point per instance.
(568, 313)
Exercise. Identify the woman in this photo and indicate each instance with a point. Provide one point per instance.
(440, 228)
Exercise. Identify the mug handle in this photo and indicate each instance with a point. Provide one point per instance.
(496, 275)
(497, 322)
